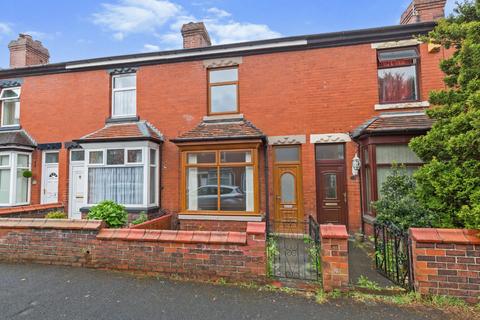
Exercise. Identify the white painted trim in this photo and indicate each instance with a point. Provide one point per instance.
(405, 105)
(219, 218)
(44, 176)
(186, 54)
(286, 140)
(395, 44)
(330, 138)
(237, 116)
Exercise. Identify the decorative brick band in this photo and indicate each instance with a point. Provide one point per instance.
(334, 256)
(447, 262)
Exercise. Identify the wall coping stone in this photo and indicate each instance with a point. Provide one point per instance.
(330, 231)
(63, 224)
(30, 207)
(433, 235)
(153, 221)
(256, 227)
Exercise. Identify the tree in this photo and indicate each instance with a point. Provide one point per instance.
(449, 183)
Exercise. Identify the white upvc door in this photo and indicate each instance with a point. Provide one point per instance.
(77, 191)
(50, 177)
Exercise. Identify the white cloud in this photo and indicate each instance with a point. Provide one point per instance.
(5, 29)
(135, 16)
(150, 47)
(218, 12)
(38, 35)
(164, 18)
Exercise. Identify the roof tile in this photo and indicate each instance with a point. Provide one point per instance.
(117, 131)
(394, 122)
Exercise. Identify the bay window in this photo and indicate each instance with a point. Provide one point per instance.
(124, 95)
(10, 98)
(221, 181)
(398, 75)
(14, 187)
(123, 175)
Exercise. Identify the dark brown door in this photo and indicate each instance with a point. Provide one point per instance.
(288, 190)
(331, 184)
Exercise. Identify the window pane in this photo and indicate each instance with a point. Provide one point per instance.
(22, 187)
(4, 160)
(202, 185)
(329, 151)
(368, 191)
(22, 160)
(11, 113)
(124, 103)
(223, 98)
(125, 82)
(201, 157)
(397, 54)
(51, 157)
(330, 185)
(286, 154)
(78, 155)
(153, 156)
(153, 184)
(134, 156)
(96, 157)
(10, 93)
(287, 188)
(115, 156)
(236, 189)
(384, 172)
(123, 185)
(398, 84)
(366, 157)
(235, 156)
(225, 75)
(4, 185)
(395, 153)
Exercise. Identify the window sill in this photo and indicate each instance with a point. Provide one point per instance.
(229, 116)
(9, 128)
(403, 105)
(123, 119)
(248, 217)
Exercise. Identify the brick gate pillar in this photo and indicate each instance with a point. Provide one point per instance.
(334, 255)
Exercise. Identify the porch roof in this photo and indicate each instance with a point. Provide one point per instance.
(221, 129)
(16, 138)
(394, 123)
(140, 130)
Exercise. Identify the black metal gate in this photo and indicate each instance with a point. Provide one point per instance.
(393, 254)
(293, 250)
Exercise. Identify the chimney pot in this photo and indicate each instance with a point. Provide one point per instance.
(195, 35)
(423, 10)
(26, 52)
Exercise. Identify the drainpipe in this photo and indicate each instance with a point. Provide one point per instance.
(267, 204)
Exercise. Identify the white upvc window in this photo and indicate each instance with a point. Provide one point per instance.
(10, 98)
(14, 187)
(124, 95)
(121, 175)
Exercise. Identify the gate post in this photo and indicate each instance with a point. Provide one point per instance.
(334, 255)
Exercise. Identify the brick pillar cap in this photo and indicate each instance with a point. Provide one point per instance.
(330, 231)
(256, 227)
(433, 235)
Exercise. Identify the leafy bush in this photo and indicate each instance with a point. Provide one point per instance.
(27, 174)
(56, 215)
(114, 214)
(398, 203)
(142, 217)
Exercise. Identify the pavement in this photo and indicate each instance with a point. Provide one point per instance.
(52, 292)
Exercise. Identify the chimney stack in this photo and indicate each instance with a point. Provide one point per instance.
(195, 35)
(423, 10)
(26, 52)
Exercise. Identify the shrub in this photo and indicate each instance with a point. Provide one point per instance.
(114, 214)
(142, 217)
(398, 203)
(27, 174)
(56, 215)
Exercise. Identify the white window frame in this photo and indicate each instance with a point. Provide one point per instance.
(13, 166)
(145, 147)
(11, 99)
(153, 166)
(123, 89)
(78, 161)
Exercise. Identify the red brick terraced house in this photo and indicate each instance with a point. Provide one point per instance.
(278, 129)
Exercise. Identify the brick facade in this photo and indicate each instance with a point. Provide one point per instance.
(447, 262)
(212, 225)
(236, 256)
(334, 256)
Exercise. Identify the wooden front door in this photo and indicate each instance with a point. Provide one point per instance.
(331, 184)
(288, 195)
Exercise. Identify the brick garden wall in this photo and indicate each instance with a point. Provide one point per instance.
(239, 226)
(160, 223)
(447, 262)
(238, 256)
(30, 211)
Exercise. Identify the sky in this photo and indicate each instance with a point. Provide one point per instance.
(81, 29)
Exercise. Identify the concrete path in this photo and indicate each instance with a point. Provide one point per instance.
(50, 292)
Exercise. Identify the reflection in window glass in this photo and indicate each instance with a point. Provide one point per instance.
(395, 153)
(134, 156)
(287, 154)
(287, 188)
(115, 156)
(201, 191)
(51, 157)
(330, 185)
(201, 157)
(236, 189)
(96, 157)
(223, 98)
(11, 113)
(235, 156)
(4, 160)
(78, 155)
(223, 75)
(329, 151)
(398, 84)
(4, 186)
(153, 157)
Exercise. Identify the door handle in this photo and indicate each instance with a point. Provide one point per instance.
(345, 197)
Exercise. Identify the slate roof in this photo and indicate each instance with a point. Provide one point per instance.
(141, 130)
(394, 122)
(221, 129)
(16, 138)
